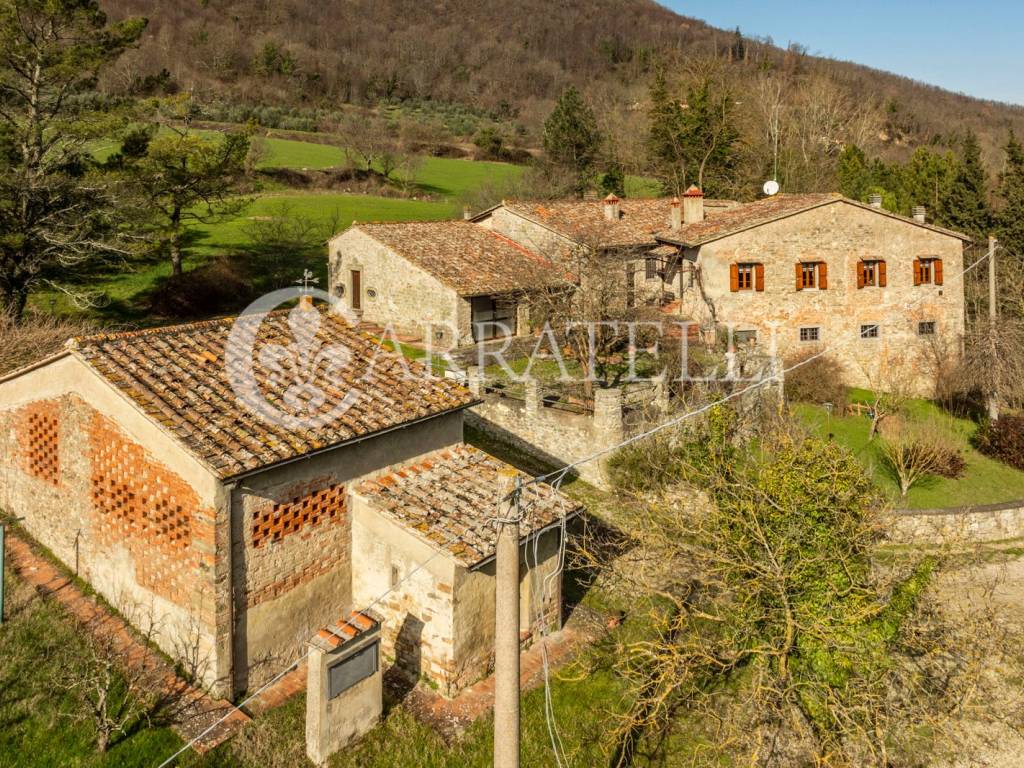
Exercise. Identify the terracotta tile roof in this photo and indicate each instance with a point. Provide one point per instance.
(356, 625)
(179, 376)
(471, 259)
(769, 209)
(448, 497)
(584, 220)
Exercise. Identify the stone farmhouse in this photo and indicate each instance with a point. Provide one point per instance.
(132, 459)
(789, 273)
(451, 281)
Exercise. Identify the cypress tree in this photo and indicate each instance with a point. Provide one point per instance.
(1010, 224)
(965, 207)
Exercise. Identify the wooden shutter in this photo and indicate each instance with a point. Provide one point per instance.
(799, 276)
(734, 277)
(917, 271)
(937, 271)
(861, 277)
(759, 277)
(880, 267)
(822, 275)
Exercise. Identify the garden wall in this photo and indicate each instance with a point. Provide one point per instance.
(987, 522)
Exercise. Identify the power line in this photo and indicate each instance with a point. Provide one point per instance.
(559, 475)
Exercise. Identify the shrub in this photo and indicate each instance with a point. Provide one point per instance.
(37, 336)
(1003, 439)
(914, 451)
(817, 381)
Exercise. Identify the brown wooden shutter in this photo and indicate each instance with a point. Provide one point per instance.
(822, 275)
(799, 276)
(861, 277)
(917, 271)
(734, 277)
(881, 274)
(937, 271)
(759, 277)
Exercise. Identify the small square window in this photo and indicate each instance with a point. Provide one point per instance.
(810, 334)
(869, 331)
(926, 328)
(745, 337)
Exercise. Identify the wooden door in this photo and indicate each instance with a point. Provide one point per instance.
(357, 289)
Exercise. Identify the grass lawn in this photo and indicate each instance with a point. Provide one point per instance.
(986, 480)
(40, 724)
(124, 287)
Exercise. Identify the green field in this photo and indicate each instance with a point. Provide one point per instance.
(986, 480)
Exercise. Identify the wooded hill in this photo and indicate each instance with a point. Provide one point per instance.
(510, 61)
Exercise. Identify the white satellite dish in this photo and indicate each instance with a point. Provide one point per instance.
(771, 187)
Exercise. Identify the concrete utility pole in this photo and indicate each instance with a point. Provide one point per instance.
(993, 400)
(506, 628)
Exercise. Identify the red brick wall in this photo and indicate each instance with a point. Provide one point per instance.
(38, 436)
(143, 506)
(293, 539)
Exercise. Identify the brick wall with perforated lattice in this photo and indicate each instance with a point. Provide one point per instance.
(39, 441)
(148, 509)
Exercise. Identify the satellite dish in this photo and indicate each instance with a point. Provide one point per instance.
(771, 188)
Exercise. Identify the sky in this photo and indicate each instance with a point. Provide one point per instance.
(976, 47)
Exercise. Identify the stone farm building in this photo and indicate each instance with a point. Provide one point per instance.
(130, 457)
(451, 281)
(790, 272)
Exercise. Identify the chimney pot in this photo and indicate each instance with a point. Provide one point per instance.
(920, 213)
(676, 219)
(467, 212)
(611, 208)
(875, 200)
(693, 205)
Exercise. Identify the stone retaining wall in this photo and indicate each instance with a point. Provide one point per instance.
(987, 522)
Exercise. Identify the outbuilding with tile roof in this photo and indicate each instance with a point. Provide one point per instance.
(215, 475)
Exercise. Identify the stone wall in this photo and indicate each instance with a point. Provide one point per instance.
(989, 522)
(118, 516)
(294, 552)
(549, 433)
(404, 297)
(840, 235)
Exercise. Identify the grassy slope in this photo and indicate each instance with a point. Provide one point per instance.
(986, 480)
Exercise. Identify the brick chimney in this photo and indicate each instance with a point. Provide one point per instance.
(676, 219)
(611, 208)
(693, 205)
(920, 213)
(875, 200)
(305, 301)
(467, 212)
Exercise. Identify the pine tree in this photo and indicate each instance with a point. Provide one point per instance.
(926, 180)
(665, 139)
(572, 140)
(853, 174)
(965, 207)
(710, 139)
(1010, 224)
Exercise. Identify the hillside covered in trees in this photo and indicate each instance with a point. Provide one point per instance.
(509, 62)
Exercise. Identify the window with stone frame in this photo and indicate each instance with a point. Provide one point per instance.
(652, 268)
(746, 276)
(871, 273)
(928, 271)
(810, 333)
(870, 331)
(811, 275)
